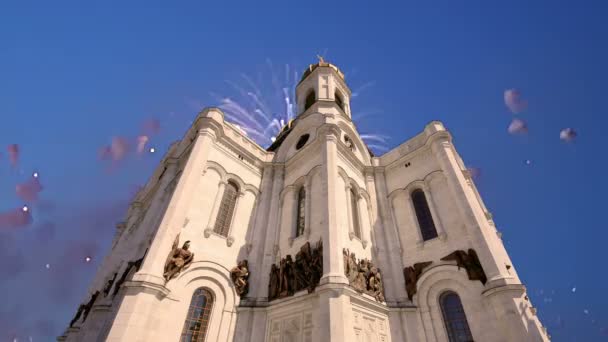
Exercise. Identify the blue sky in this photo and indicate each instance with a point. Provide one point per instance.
(73, 76)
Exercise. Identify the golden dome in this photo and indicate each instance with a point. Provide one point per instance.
(322, 63)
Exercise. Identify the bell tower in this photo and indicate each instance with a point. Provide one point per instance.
(323, 85)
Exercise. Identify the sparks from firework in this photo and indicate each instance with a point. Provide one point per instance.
(261, 108)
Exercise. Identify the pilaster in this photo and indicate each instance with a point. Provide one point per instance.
(471, 212)
(333, 263)
(148, 285)
(395, 292)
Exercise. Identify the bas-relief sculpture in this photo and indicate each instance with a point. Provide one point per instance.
(292, 276)
(363, 276)
(178, 259)
(240, 277)
(412, 274)
(470, 262)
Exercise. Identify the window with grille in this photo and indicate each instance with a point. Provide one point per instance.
(423, 214)
(301, 219)
(355, 213)
(454, 318)
(311, 98)
(199, 313)
(226, 210)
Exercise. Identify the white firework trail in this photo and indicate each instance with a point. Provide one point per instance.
(261, 108)
(358, 91)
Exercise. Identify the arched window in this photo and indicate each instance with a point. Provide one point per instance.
(226, 210)
(301, 219)
(355, 213)
(311, 98)
(195, 326)
(454, 318)
(339, 100)
(423, 214)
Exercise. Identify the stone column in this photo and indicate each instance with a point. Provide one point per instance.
(307, 209)
(230, 236)
(269, 247)
(392, 239)
(333, 262)
(258, 239)
(433, 208)
(362, 224)
(216, 207)
(171, 224)
(349, 212)
(143, 292)
(474, 218)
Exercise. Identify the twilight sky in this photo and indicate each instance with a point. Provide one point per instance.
(73, 77)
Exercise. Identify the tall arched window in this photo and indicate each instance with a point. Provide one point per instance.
(311, 98)
(339, 100)
(226, 210)
(454, 318)
(195, 326)
(301, 219)
(355, 213)
(423, 214)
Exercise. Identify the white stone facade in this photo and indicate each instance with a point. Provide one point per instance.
(184, 195)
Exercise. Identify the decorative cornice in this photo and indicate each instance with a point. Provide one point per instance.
(159, 289)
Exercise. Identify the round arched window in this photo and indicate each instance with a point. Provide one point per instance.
(302, 141)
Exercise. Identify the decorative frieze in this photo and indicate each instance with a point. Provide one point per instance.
(240, 277)
(292, 276)
(412, 274)
(470, 262)
(363, 276)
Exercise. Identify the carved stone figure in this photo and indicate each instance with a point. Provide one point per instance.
(240, 276)
(363, 276)
(273, 284)
(293, 276)
(109, 284)
(470, 262)
(376, 286)
(287, 277)
(178, 260)
(302, 267)
(317, 265)
(412, 274)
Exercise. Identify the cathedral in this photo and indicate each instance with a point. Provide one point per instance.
(314, 238)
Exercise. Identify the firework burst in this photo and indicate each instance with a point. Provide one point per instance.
(261, 106)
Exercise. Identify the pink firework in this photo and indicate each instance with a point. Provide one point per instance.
(28, 191)
(514, 101)
(151, 127)
(518, 126)
(16, 218)
(142, 140)
(13, 154)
